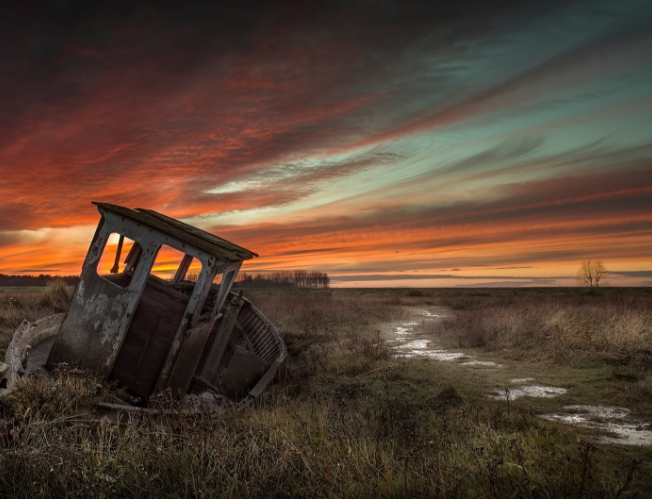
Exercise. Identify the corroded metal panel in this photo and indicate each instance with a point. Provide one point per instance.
(229, 274)
(210, 244)
(153, 334)
(148, 339)
(100, 312)
(27, 335)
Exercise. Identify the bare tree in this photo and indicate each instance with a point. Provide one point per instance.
(592, 273)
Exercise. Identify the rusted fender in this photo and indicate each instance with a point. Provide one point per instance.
(27, 335)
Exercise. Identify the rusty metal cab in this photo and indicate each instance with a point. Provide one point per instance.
(152, 334)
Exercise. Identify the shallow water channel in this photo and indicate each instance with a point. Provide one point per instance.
(614, 420)
(404, 346)
(617, 424)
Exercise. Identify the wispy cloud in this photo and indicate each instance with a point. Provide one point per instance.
(346, 136)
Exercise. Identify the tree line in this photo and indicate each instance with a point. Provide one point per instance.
(40, 280)
(284, 279)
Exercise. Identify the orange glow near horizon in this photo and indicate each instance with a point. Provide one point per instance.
(307, 137)
(471, 253)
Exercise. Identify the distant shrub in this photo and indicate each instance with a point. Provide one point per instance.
(589, 322)
(56, 295)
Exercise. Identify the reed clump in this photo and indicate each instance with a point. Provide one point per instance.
(596, 323)
(57, 295)
(382, 445)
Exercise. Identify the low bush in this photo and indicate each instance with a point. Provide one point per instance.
(601, 323)
(57, 295)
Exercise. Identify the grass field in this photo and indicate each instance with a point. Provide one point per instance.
(349, 417)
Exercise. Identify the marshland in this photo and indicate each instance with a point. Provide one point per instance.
(385, 393)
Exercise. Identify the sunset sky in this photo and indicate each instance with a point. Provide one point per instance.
(387, 143)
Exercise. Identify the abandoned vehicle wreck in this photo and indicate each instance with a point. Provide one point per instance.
(152, 334)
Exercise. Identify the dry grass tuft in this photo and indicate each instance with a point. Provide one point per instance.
(15, 307)
(69, 393)
(346, 419)
(600, 323)
(390, 445)
(57, 295)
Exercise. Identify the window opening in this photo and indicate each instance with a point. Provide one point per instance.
(114, 255)
(182, 273)
(133, 256)
(173, 266)
(226, 280)
(194, 269)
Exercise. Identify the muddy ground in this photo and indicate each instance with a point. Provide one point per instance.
(571, 395)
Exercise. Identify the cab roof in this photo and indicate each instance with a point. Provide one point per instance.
(192, 235)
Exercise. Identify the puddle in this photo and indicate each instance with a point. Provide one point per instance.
(415, 344)
(437, 354)
(433, 315)
(533, 391)
(600, 411)
(418, 348)
(631, 434)
(601, 417)
(521, 380)
(488, 364)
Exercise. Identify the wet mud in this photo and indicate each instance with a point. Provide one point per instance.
(617, 424)
(613, 420)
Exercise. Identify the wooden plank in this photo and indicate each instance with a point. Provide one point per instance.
(133, 256)
(148, 340)
(188, 358)
(266, 345)
(249, 344)
(209, 345)
(158, 283)
(190, 319)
